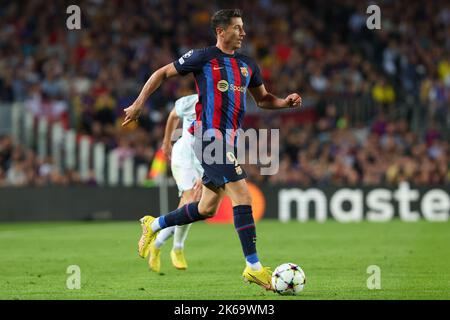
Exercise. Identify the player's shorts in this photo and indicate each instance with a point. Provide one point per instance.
(220, 169)
(186, 168)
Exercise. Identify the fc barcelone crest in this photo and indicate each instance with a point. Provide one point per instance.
(244, 71)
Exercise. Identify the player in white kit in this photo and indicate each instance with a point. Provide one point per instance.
(187, 172)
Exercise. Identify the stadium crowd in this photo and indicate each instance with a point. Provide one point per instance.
(320, 153)
(86, 77)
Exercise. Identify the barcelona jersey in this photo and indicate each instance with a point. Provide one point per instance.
(221, 81)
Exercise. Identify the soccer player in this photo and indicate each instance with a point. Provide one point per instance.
(187, 172)
(222, 77)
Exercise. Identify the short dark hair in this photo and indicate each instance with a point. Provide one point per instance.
(222, 18)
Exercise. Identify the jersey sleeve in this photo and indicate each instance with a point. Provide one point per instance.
(180, 108)
(191, 61)
(185, 106)
(256, 79)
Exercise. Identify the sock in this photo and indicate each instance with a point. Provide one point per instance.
(181, 216)
(254, 266)
(180, 236)
(158, 224)
(162, 236)
(245, 227)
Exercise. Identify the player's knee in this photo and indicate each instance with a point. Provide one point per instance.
(244, 199)
(248, 199)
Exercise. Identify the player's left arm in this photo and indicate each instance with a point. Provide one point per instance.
(266, 100)
(171, 124)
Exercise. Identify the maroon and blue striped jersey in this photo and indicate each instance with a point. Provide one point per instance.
(221, 80)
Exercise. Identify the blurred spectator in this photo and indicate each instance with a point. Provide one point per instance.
(85, 78)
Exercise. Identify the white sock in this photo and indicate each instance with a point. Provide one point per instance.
(180, 236)
(163, 235)
(254, 266)
(155, 225)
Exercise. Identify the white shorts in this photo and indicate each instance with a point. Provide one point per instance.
(186, 168)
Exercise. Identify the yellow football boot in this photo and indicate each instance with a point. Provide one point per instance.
(178, 260)
(154, 262)
(263, 277)
(147, 236)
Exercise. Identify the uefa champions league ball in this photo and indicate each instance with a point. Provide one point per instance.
(288, 279)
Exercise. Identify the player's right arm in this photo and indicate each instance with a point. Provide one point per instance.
(192, 61)
(171, 125)
(153, 83)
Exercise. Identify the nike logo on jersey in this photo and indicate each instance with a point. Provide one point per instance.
(217, 68)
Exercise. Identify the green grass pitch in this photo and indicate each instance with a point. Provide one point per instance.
(414, 259)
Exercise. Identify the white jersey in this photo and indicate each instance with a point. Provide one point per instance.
(185, 109)
(185, 166)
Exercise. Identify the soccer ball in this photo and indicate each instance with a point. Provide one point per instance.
(288, 279)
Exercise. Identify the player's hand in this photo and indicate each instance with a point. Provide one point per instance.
(293, 100)
(167, 149)
(131, 113)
